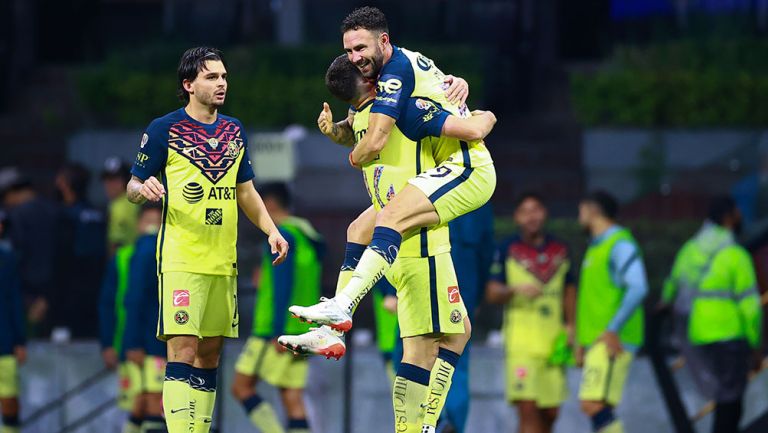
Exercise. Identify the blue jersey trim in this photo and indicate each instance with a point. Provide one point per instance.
(163, 225)
(443, 190)
(433, 294)
(465, 154)
(160, 324)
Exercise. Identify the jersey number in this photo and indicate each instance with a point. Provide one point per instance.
(442, 171)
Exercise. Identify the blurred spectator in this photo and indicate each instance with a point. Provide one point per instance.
(12, 333)
(714, 291)
(387, 329)
(532, 276)
(34, 224)
(609, 317)
(121, 214)
(751, 193)
(84, 247)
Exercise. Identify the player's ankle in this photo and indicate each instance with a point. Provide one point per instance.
(344, 302)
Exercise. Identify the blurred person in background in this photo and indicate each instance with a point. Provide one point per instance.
(142, 348)
(33, 230)
(84, 253)
(714, 291)
(12, 333)
(387, 329)
(532, 277)
(751, 193)
(121, 213)
(296, 280)
(112, 325)
(609, 310)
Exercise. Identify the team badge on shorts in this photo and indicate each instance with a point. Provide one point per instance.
(455, 316)
(181, 317)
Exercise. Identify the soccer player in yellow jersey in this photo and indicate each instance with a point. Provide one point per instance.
(532, 276)
(463, 180)
(196, 161)
(431, 313)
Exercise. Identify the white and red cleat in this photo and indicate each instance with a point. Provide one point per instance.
(322, 341)
(328, 312)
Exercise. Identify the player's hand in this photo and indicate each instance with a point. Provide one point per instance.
(279, 246)
(457, 91)
(279, 347)
(612, 342)
(152, 189)
(390, 303)
(135, 356)
(325, 120)
(20, 352)
(529, 290)
(109, 355)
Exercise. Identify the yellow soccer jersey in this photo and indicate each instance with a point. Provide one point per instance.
(400, 160)
(200, 166)
(531, 326)
(409, 75)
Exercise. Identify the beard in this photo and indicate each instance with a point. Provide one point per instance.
(376, 62)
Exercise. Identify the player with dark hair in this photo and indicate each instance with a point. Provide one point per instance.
(609, 310)
(532, 277)
(435, 318)
(297, 279)
(201, 159)
(717, 303)
(12, 334)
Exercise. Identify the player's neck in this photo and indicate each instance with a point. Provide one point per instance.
(535, 239)
(201, 113)
(389, 49)
(601, 226)
(279, 216)
(362, 101)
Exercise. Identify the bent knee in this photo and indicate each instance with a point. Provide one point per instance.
(590, 408)
(360, 231)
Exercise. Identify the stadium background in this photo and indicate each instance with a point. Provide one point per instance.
(661, 102)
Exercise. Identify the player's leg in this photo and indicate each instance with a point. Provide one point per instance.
(10, 415)
(549, 416)
(252, 361)
(176, 391)
(411, 386)
(153, 373)
(456, 408)
(529, 417)
(202, 382)
(293, 403)
(131, 395)
(602, 384)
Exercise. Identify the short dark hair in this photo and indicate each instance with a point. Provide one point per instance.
(342, 78)
(720, 207)
(606, 202)
(150, 206)
(525, 195)
(278, 191)
(78, 177)
(366, 17)
(191, 63)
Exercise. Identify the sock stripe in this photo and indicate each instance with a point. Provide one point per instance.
(352, 254)
(298, 424)
(177, 371)
(414, 373)
(136, 420)
(252, 402)
(449, 356)
(11, 420)
(603, 418)
(386, 243)
(203, 379)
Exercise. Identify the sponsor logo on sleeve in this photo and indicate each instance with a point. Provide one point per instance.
(141, 159)
(423, 63)
(181, 298)
(390, 89)
(213, 216)
(144, 140)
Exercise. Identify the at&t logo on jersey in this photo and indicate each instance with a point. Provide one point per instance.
(389, 89)
(192, 192)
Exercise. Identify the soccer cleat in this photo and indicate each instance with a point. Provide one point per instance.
(322, 341)
(328, 312)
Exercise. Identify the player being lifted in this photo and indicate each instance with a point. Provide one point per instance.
(431, 312)
(201, 159)
(463, 181)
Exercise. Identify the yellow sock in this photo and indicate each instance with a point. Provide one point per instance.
(9, 429)
(202, 397)
(408, 394)
(131, 426)
(344, 276)
(615, 427)
(439, 385)
(262, 415)
(153, 424)
(374, 263)
(179, 416)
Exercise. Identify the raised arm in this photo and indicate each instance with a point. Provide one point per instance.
(379, 127)
(339, 132)
(476, 127)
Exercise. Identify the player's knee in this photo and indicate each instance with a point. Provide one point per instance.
(293, 399)
(154, 404)
(360, 231)
(241, 390)
(590, 408)
(527, 409)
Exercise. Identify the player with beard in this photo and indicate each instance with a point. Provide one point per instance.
(196, 161)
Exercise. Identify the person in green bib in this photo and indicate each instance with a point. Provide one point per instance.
(714, 291)
(295, 281)
(609, 310)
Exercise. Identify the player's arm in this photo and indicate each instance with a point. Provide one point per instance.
(153, 153)
(139, 191)
(373, 142)
(475, 127)
(339, 132)
(252, 205)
